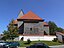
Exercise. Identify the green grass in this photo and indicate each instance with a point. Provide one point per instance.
(49, 43)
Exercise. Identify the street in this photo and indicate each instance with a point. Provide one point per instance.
(59, 46)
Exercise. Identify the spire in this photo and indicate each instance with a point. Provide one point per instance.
(21, 13)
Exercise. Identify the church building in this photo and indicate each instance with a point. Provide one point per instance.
(31, 26)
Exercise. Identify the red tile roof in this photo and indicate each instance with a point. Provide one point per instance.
(30, 15)
(15, 22)
(45, 23)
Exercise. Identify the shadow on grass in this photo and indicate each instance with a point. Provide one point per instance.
(27, 42)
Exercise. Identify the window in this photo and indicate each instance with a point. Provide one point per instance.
(30, 29)
(45, 33)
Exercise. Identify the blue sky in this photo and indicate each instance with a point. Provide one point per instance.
(50, 10)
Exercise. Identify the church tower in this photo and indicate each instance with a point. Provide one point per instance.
(21, 13)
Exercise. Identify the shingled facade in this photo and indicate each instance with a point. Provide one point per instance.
(30, 24)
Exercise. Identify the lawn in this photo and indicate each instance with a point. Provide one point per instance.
(49, 43)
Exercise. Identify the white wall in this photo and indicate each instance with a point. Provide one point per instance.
(36, 38)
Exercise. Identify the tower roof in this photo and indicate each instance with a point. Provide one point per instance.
(15, 22)
(21, 13)
(31, 16)
(44, 23)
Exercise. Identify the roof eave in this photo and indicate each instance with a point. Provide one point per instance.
(30, 19)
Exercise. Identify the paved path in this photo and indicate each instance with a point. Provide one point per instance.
(22, 47)
(59, 46)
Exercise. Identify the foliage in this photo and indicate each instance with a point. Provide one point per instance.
(12, 31)
(59, 29)
(53, 28)
(6, 35)
(22, 38)
(55, 40)
(28, 41)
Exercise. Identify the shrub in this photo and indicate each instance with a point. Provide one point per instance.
(55, 39)
(28, 41)
(22, 38)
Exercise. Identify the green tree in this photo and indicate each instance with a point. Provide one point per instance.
(6, 35)
(53, 28)
(12, 31)
(59, 29)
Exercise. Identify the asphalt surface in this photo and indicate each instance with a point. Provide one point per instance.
(59, 46)
(22, 47)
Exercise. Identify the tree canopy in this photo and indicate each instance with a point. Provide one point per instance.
(12, 31)
(53, 28)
